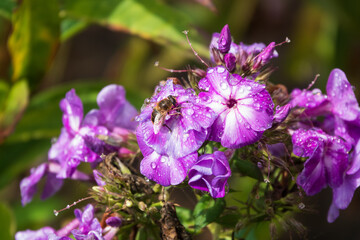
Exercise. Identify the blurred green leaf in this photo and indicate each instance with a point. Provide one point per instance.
(36, 29)
(186, 218)
(254, 231)
(40, 123)
(70, 27)
(7, 226)
(141, 234)
(150, 19)
(248, 169)
(6, 8)
(207, 210)
(12, 107)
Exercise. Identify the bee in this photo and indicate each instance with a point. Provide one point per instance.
(160, 111)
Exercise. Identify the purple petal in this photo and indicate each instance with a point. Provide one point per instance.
(217, 77)
(281, 113)
(210, 173)
(342, 96)
(28, 185)
(98, 178)
(72, 109)
(114, 109)
(41, 234)
(52, 185)
(333, 213)
(166, 170)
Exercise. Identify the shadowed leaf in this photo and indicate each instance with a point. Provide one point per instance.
(149, 19)
(36, 29)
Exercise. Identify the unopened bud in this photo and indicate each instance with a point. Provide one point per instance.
(128, 203)
(142, 206)
(199, 72)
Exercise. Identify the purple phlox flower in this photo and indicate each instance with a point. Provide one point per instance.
(243, 107)
(327, 159)
(281, 113)
(230, 61)
(70, 148)
(89, 227)
(170, 147)
(210, 173)
(41, 234)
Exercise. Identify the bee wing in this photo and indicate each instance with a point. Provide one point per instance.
(158, 122)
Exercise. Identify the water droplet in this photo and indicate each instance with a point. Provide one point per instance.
(247, 125)
(153, 165)
(211, 70)
(56, 213)
(223, 86)
(220, 69)
(162, 160)
(189, 111)
(301, 205)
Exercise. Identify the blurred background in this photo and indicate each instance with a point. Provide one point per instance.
(50, 46)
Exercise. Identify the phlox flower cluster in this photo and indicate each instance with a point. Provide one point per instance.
(185, 134)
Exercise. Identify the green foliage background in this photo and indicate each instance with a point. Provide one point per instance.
(50, 46)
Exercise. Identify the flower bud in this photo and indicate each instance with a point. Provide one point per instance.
(224, 40)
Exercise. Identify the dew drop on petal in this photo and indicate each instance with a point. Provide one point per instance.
(220, 69)
(189, 111)
(223, 86)
(153, 165)
(211, 70)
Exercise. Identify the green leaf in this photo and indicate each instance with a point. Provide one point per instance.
(254, 231)
(248, 169)
(7, 226)
(149, 19)
(6, 8)
(36, 29)
(207, 210)
(70, 27)
(141, 234)
(12, 106)
(186, 218)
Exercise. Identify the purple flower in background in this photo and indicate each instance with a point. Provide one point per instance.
(327, 159)
(78, 141)
(41, 234)
(114, 221)
(210, 173)
(170, 146)
(243, 107)
(84, 227)
(89, 227)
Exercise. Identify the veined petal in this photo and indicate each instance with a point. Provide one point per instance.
(72, 109)
(342, 96)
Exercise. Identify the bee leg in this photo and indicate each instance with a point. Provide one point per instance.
(167, 127)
